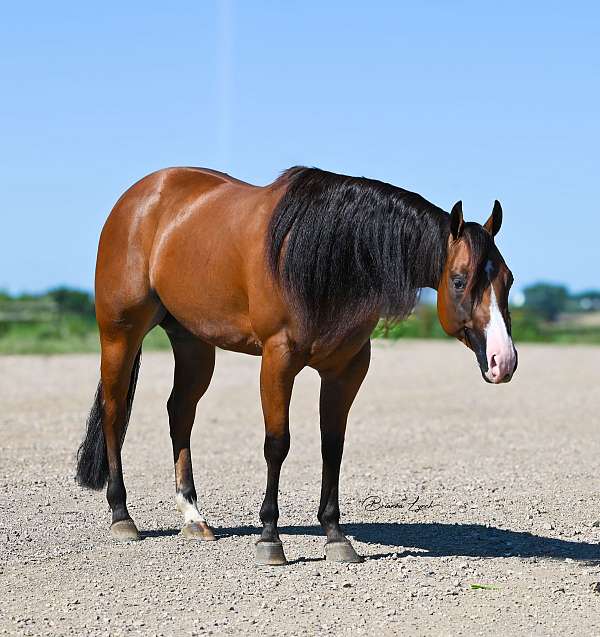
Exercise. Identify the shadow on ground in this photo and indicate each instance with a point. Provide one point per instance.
(159, 533)
(441, 540)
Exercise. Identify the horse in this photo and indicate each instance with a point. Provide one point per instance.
(299, 272)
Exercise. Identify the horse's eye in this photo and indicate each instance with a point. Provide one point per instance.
(458, 283)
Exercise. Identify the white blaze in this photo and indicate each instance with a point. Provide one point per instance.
(500, 350)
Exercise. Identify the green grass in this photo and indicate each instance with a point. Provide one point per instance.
(69, 334)
(76, 333)
(526, 328)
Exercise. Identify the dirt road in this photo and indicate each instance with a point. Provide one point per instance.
(465, 484)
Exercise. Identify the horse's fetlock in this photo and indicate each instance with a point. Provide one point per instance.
(269, 513)
(188, 494)
(116, 495)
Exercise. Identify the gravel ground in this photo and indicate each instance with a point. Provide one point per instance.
(506, 480)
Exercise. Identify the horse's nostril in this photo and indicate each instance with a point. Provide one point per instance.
(506, 378)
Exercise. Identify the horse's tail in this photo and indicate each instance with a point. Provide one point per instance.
(92, 463)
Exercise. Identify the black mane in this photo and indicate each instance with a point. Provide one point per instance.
(342, 247)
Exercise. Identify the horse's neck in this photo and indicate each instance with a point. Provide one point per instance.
(434, 233)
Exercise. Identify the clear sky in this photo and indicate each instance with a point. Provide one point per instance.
(453, 99)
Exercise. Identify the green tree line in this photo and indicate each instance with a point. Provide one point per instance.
(62, 320)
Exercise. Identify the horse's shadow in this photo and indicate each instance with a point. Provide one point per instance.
(153, 533)
(443, 540)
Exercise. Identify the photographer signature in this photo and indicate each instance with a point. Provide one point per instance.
(375, 502)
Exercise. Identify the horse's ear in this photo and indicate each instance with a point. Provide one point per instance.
(456, 220)
(492, 225)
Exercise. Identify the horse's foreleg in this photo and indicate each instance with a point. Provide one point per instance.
(338, 390)
(277, 374)
(194, 365)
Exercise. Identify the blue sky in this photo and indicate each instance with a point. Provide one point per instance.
(455, 100)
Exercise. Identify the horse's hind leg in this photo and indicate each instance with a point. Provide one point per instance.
(118, 358)
(194, 365)
(121, 338)
(338, 390)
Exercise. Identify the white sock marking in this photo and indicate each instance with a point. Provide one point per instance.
(189, 509)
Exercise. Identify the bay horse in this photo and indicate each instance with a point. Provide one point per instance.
(298, 272)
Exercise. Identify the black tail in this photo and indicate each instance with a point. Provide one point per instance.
(92, 463)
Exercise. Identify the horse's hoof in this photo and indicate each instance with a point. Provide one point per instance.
(270, 554)
(342, 552)
(199, 531)
(125, 531)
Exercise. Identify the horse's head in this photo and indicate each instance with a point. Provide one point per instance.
(473, 294)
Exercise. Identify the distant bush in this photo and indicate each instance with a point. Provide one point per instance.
(546, 300)
(526, 326)
(71, 301)
(423, 323)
